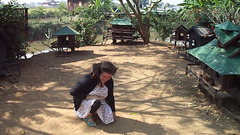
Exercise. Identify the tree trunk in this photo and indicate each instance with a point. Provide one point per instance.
(143, 29)
(145, 36)
(146, 39)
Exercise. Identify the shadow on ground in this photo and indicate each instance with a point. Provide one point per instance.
(148, 79)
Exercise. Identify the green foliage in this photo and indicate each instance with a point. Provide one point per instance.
(203, 12)
(94, 10)
(13, 24)
(165, 24)
(89, 17)
(50, 13)
(88, 33)
(42, 13)
(47, 19)
(61, 10)
(38, 13)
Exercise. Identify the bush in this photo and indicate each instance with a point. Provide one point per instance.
(13, 25)
(38, 13)
(87, 31)
(50, 13)
(165, 24)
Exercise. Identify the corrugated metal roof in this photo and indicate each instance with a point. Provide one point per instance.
(121, 22)
(66, 31)
(233, 51)
(201, 31)
(217, 58)
(229, 26)
(225, 36)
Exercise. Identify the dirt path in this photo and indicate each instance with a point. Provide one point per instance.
(153, 95)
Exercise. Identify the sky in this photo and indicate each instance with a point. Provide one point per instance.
(172, 2)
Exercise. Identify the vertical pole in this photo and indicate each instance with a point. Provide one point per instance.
(48, 36)
(26, 21)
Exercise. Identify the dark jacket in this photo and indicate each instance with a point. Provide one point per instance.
(85, 85)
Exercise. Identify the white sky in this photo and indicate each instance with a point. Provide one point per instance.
(172, 2)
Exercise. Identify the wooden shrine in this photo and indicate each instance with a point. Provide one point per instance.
(122, 29)
(198, 36)
(220, 62)
(66, 39)
(180, 34)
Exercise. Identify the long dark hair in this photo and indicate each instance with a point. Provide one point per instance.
(104, 66)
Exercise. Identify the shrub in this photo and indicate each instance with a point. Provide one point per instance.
(13, 24)
(38, 13)
(87, 31)
(165, 24)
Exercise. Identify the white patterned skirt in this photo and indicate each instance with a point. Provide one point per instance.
(104, 112)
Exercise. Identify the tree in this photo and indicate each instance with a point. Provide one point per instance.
(142, 23)
(89, 16)
(13, 24)
(61, 10)
(217, 11)
(165, 23)
(221, 10)
(38, 13)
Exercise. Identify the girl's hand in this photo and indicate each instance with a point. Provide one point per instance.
(97, 97)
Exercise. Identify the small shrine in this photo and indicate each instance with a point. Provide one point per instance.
(220, 62)
(122, 29)
(66, 39)
(198, 36)
(180, 34)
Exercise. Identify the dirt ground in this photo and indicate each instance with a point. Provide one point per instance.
(153, 95)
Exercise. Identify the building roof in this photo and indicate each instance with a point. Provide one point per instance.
(200, 31)
(217, 58)
(228, 26)
(181, 26)
(121, 22)
(225, 37)
(66, 31)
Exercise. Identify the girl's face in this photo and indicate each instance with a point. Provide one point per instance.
(104, 77)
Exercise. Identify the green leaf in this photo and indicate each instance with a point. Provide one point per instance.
(132, 113)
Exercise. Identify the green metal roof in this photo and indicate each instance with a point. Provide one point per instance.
(225, 36)
(217, 58)
(233, 51)
(229, 26)
(66, 31)
(121, 22)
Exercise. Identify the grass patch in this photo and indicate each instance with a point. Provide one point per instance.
(37, 46)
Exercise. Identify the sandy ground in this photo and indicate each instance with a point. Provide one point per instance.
(153, 95)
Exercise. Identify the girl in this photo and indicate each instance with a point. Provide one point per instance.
(93, 93)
